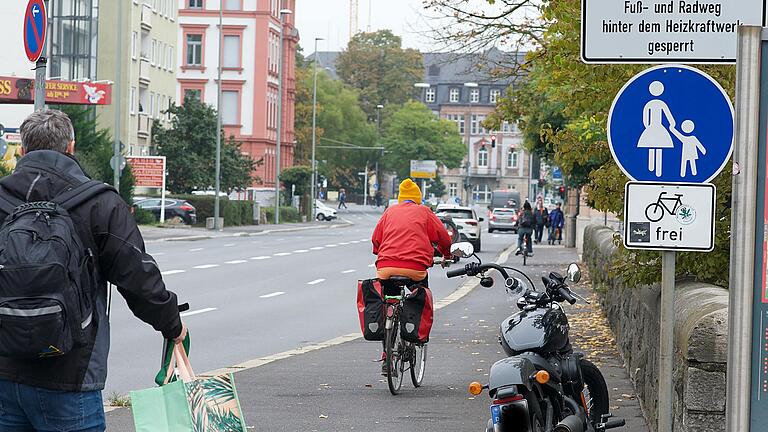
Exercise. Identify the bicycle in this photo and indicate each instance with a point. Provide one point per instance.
(524, 248)
(399, 352)
(657, 208)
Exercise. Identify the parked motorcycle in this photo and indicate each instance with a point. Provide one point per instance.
(543, 385)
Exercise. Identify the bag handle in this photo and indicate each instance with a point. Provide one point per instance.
(180, 359)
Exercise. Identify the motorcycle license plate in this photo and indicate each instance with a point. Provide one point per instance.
(496, 414)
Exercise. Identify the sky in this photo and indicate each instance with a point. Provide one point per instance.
(329, 19)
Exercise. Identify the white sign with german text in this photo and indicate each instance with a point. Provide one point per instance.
(669, 216)
(664, 31)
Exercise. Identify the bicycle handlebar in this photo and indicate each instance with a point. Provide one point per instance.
(475, 268)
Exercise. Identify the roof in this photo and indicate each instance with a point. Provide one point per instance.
(327, 61)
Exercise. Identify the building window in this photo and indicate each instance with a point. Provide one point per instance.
(274, 7)
(133, 100)
(195, 4)
(482, 194)
(459, 119)
(231, 52)
(474, 96)
(453, 189)
(230, 108)
(495, 93)
(233, 5)
(194, 50)
(152, 52)
(134, 43)
(482, 157)
(170, 59)
(454, 95)
(151, 104)
(192, 94)
(512, 158)
(430, 95)
(474, 128)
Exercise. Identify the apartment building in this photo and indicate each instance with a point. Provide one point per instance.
(250, 58)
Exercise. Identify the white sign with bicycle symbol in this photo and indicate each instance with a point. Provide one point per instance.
(669, 216)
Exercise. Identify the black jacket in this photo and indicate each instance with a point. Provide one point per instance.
(105, 224)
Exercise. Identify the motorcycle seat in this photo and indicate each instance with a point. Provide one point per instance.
(540, 363)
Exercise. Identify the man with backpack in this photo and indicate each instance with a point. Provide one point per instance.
(65, 238)
(525, 229)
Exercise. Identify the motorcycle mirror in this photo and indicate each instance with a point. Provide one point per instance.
(486, 282)
(463, 249)
(574, 273)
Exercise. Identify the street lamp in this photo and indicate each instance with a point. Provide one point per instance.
(217, 181)
(379, 107)
(278, 140)
(314, 134)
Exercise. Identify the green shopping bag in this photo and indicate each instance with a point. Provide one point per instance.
(162, 409)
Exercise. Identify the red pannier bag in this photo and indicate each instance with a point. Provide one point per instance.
(417, 315)
(371, 309)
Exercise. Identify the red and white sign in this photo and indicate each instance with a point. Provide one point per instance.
(148, 171)
(22, 91)
(35, 29)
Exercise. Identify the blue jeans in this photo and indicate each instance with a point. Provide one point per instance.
(31, 409)
(525, 232)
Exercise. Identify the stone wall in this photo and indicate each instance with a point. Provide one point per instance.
(701, 329)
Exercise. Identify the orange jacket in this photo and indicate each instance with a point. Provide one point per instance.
(404, 237)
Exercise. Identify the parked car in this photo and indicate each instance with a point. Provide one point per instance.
(466, 221)
(323, 212)
(390, 203)
(173, 208)
(502, 219)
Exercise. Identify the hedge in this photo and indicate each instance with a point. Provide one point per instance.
(235, 213)
(287, 214)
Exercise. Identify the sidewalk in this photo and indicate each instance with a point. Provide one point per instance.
(187, 233)
(339, 387)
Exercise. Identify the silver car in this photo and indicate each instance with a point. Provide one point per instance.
(502, 219)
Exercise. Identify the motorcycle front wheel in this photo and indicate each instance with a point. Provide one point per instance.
(595, 391)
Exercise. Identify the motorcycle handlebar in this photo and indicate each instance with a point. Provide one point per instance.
(474, 269)
(456, 272)
(567, 295)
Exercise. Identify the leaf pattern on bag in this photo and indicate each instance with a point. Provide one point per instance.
(214, 405)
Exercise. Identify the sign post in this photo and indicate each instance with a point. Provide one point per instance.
(35, 34)
(149, 171)
(670, 129)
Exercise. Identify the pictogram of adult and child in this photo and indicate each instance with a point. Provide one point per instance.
(657, 138)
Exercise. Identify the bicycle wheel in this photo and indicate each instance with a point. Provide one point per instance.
(418, 364)
(654, 212)
(394, 358)
(525, 257)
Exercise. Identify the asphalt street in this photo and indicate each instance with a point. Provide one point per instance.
(339, 388)
(255, 296)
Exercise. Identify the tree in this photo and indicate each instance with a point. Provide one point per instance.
(190, 148)
(94, 149)
(378, 66)
(415, 133)
(299, 176)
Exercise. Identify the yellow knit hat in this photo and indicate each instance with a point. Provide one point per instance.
(409, 191)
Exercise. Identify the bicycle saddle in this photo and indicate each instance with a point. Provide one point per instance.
(400, 280)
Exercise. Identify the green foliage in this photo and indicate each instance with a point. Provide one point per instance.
(414, 133)
(436, 187)
(377, 65)
(234, 212)
(190, 147)
(300, 176)
(144, 217)
(4, 170)
(94, 148)
(287, 214)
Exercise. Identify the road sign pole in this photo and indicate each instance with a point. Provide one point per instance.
(117, 94)
(743, 224)
(41, 66)
(667, 341)
(162, 195)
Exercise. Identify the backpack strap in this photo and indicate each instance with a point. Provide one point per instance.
(8, 202)
(82, 193)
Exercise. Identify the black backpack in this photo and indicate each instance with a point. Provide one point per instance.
(526, 220)
(46, 276)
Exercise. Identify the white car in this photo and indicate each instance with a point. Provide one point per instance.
(466, 221)
(323, 212)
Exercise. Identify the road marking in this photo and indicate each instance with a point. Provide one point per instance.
(196, 249)
(496, 236)
(354, 241)
(363, 240)
(274, 294)
(259, 258)
(206, 266)
(282, 254)
(316, 281)
(229, 245)
(301, 251)
(172, 272)
(157, 253)
(343, 243)
(236, 262)
(317, 248)
(348, 271)
(331, 246)
(371, 265)
(196, 312)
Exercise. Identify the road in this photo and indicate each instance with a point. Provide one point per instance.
(255, 296)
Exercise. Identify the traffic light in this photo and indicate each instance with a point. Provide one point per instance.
(562, 192)
(493, 141)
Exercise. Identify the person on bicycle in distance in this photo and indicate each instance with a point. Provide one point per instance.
(526, 222)
(405, 238)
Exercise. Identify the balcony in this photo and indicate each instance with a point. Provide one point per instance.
(146, 17)
(144, 69)
(485, 172)
(145, 126)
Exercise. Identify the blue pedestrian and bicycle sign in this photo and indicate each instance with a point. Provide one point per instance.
(35, 27)
(671, 123)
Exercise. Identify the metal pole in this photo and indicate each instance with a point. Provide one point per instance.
(314, 135)
(667, 340)
(162, 195)
(118, 95)
(279, 122)
(365, 186)
(741, 294)
(217, 199)
(41, 67)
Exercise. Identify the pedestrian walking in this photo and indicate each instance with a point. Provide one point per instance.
(342, 198)
(542, 220)
(379, 197)
(55, 329)
(556, 222)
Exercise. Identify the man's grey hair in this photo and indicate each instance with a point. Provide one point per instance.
(47, 130)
